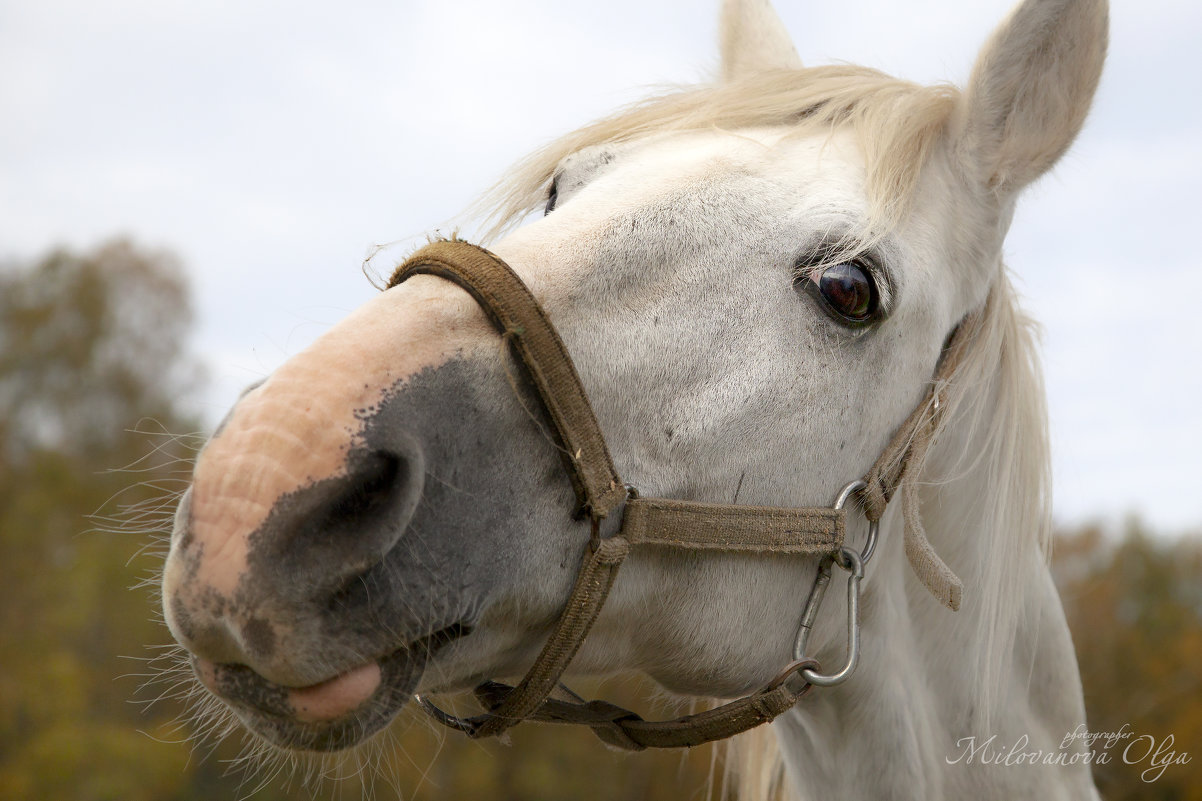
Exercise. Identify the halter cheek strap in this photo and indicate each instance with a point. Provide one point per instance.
(662, 522)
(520, 318)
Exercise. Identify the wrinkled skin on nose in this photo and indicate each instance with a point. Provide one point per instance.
(326, 547)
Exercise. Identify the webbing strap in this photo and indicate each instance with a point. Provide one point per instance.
(520, 318)
(681, 524)
(592, 587)
(901, 462)
(515, 312)
(621, 728)
(764, 529)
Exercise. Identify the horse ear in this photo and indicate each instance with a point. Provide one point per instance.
(1031, 89)
(754, 39)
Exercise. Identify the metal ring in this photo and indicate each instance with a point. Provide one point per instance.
(445, 718)
(847, 491)
(851, 561)
(614, 519)
(874, 526)
(791, 670)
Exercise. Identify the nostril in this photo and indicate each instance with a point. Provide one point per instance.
(353, 521)
(370, 490)
(318, 539)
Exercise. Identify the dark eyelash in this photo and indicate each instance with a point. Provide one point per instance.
(552, 196)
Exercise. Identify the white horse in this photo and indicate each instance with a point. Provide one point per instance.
(756, 280)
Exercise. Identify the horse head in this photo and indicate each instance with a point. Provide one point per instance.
(756, 280)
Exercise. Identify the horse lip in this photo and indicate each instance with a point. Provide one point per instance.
(267, 710)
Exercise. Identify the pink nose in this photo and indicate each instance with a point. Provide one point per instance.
(290, 505)
(306, 560)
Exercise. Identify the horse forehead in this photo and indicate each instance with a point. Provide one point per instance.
(708, 177)
(820, 179)
(827, 163)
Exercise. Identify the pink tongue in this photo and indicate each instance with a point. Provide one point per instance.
(336, 697)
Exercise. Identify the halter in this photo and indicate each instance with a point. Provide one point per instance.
(671, 523)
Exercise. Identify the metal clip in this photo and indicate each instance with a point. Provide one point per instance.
(855, 567)
(851, 562)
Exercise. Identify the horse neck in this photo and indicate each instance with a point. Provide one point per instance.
(929, 679)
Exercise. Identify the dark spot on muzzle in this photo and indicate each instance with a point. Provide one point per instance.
(259, 637)
(244, 687)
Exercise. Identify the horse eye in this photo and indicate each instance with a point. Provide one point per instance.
(847, 291)
(552, 196)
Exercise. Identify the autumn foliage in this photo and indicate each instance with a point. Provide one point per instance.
(1135, 607)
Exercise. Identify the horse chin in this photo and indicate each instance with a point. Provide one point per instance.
(338, 713)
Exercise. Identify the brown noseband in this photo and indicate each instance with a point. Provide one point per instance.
(664, 522)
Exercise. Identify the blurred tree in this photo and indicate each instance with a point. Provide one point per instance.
(91, 348)
(1135, 608)
(89, 344)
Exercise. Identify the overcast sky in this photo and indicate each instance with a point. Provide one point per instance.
(271, 144)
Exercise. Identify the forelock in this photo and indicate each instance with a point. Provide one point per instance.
(896, 123)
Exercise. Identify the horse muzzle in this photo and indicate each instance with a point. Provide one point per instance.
(330, 715)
